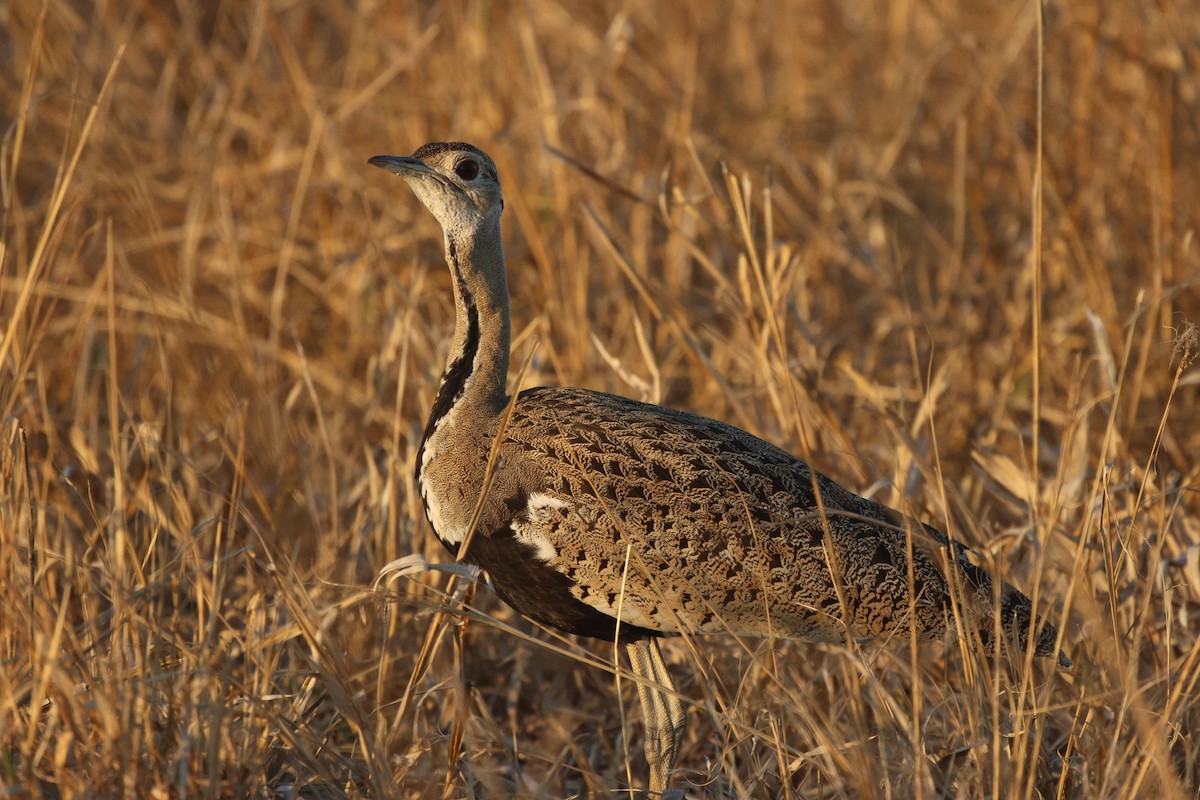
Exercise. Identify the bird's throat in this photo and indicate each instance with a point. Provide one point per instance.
(472, 388)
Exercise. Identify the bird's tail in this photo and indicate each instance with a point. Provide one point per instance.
(1017, 621)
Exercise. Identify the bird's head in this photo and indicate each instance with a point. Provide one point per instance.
(456, 181)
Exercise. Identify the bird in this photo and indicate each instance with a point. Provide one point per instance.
(611, 518)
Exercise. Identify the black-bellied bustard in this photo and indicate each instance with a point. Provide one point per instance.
(617, 519)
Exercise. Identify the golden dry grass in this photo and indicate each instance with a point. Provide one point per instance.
(221, 331)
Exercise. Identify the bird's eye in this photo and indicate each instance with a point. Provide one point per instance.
(467, 169)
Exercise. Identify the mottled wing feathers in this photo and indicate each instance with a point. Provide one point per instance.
(675, 522)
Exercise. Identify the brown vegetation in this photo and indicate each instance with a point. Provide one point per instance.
(220, 332)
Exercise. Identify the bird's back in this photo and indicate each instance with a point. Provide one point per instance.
(672, 522)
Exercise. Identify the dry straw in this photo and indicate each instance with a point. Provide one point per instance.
(220, 331)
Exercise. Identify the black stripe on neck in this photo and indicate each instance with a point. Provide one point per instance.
(454, 379)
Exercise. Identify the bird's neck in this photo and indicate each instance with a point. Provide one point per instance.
(476, 372)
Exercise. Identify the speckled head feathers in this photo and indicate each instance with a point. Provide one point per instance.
(437, 148)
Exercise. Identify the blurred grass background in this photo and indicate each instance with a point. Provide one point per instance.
(221, 332)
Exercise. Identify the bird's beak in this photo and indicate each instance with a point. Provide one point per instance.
(401, 165)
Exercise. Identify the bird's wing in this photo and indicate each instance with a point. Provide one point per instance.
(674, 522)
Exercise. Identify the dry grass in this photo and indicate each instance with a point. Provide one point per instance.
(221, 331)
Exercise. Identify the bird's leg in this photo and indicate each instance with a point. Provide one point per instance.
(663, 713)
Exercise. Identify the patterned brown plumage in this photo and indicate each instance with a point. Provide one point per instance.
(722, 529)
